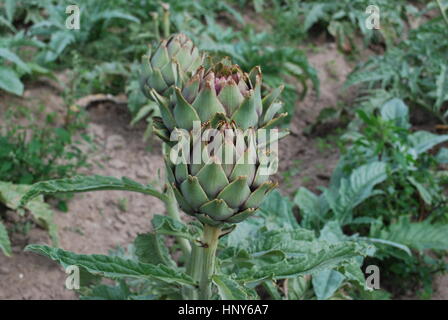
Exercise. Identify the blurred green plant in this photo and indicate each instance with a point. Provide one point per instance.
(416, 70)
(344, 20)
(17, 62)
(38, 151)
(38, 210)
(386, 190)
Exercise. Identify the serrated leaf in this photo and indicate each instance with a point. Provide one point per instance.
(113, 267)
(104, 292)
(169, 226)
(319, 256)
(85, 184)
(313, 207)
(228, 288)
(332, 232)
(326, 283)
(150, 248)
(277, 211)
(10, 195)
(5, 244)
(424, 193)
(355, 189)
(290, 242)
(416, 235)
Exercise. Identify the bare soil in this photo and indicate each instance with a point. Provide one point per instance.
(95, 223)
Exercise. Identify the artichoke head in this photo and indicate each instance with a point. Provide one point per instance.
(222, 89)
(170, 64)
(194, 98)
(215, 190)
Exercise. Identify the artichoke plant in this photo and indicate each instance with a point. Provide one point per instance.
(221, 113)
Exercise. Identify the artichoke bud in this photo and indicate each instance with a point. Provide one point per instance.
(229, 179)
(220, 170)
(172, 63)
(222, 89)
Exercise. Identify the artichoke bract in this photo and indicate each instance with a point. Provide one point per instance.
(222, 89)
(220, 113)
(170, 64)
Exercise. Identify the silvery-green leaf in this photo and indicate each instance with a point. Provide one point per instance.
(113, 267)
(150, 248)
(228, 288)
(326, 282)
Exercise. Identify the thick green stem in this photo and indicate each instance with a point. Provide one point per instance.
(193, 270)
(173, 212)
(202, 263)
(207, 268)
(166, 20)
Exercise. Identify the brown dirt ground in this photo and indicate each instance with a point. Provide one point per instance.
(95, 224)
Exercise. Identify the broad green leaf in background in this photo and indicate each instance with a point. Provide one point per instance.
(416, 235)
(150, 108)
(355, 189)
(422, 190)
(351, 270)
(228, 288)
(5, 244)
(299, 288)
(312, 207)
(104, 292)
(442, 156)
(10, 81)
(115, 14)
(395, 110)
(423, 141)
(441, 84)
(290, 242)
(11, 56)
(10, 195)
(277, 211)
(10, 8)
(85, 184)
(332, 232)
(59, 41)
(326, 282)
(316, 13)
(113, 267)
